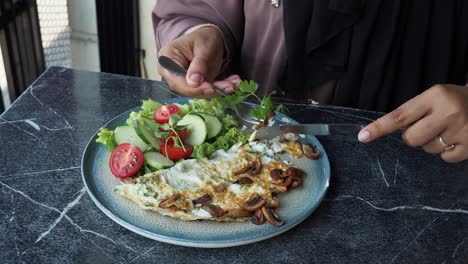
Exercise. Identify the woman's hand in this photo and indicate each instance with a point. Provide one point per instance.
(441, 111)
(201, 51)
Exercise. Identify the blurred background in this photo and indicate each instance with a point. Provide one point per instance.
(114, 36)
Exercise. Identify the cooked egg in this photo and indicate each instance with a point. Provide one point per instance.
(207, 188)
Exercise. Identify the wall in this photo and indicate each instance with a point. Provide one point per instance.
(84, 40)
(147, 38)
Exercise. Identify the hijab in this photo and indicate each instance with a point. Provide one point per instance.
(381, 52)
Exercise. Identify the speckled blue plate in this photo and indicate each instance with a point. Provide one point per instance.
(296, 205)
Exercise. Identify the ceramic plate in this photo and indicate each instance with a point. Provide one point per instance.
(296, 205)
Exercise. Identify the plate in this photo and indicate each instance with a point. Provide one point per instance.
(296, 205)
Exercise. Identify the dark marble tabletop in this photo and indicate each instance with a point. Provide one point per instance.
(387, 203)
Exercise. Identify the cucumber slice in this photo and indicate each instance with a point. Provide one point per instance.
(146, 133)
(157, 160)
(150, 123)
(127, 134)
(213, 125)
(196, 127)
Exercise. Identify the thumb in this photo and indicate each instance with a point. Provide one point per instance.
(197, 71)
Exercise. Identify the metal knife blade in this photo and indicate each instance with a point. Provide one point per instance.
(318, 129)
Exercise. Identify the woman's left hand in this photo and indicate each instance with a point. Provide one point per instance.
(435, 120)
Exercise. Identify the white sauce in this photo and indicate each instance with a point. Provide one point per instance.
(235, 188)
(230, 154)
(271, 121)
(200, 212)
(290, 137)
(265, 159)
(258, 147)
(187, 175)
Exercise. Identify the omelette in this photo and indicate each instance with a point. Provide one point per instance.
(240, 184)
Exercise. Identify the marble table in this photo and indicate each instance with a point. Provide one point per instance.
(387, 203)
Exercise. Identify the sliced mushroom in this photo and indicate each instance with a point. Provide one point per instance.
(296, 182)
(254, 167)
(271, 217)
(173, 208)
(203, 199)
(259, 125)
(239, 213)
(265, 121)
(169, 201)
(244, 180)
(310, 151)
(243, 170)
(220, 188)
(258, 218)
(254, 203)
(276, 174)
(274, 202)
(214, 210)
(293, 172)
(283, 182)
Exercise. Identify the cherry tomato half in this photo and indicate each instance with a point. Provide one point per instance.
(176, 153)
(182, 134)
(162, 114)
(126, 160)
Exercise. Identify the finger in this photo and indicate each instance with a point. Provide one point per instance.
(226, 86)
(176, 55)
(199, 69)
(178, 84)
(234, 79)
(423, 131)
(208, 89)
(404, 115)
(434, 146)
(459, 153)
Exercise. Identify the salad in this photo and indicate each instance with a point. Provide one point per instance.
(160, 135)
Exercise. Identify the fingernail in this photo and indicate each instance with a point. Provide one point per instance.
(229, 90)
(364, 136)
(208, 91)
(195, 78)
(235, 79)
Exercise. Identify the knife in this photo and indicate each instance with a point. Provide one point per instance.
(316, 129)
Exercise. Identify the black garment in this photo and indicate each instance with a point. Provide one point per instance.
(383, 52)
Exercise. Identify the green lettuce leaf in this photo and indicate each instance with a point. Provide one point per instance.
(203, 150)
(148, 107)
(132, 117)
(228, 122)
(233, 136)
(106, 137)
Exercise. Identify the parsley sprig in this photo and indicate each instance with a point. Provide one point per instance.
(249, 89)
(169, 130)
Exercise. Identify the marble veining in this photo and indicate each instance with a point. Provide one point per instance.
(387, 203)
(383, 173)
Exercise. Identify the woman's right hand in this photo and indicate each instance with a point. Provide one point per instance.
(201, 52)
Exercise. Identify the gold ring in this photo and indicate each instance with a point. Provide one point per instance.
(446, 146)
